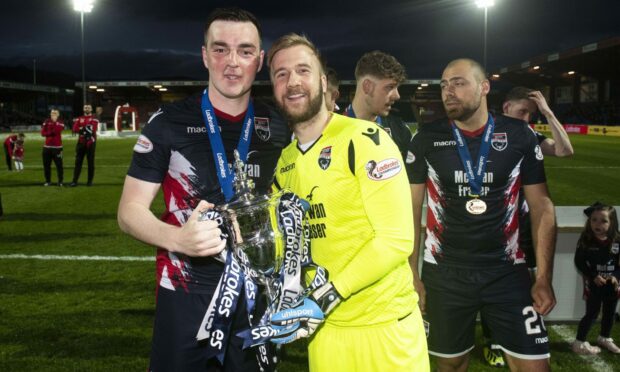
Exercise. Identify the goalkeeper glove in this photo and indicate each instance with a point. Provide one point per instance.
(305, 317)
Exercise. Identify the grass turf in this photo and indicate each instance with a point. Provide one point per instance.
(61, 315)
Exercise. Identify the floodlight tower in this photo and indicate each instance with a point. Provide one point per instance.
(83, 6)
(485, 4)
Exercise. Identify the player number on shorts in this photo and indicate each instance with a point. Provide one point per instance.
(532, 318)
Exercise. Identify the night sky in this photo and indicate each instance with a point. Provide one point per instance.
(138, 39)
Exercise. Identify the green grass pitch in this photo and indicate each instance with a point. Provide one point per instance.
(63, 315)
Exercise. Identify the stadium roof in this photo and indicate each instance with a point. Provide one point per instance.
(600, 60)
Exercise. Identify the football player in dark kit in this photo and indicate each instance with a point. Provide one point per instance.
(52, 149)
(378, 76)
(473, 165)
(86, 128)
(185, 149)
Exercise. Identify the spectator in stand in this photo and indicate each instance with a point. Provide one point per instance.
(9, 148)
(52, 149)
(86, 126)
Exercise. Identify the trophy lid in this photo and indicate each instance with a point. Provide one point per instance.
(245, 196)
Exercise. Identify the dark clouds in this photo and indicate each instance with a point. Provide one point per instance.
(141, 39)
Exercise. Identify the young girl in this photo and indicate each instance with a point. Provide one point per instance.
(18, 155)
(596, 259)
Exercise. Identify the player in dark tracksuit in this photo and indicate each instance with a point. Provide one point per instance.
(86, 127)
(52, 129)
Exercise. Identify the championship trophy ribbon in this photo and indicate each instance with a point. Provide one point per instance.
(267, 247)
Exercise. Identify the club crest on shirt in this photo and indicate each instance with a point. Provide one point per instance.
(499, 142)
(615, 248)
(261, 127)
(379, 171)
(325, 157)
(538, 152)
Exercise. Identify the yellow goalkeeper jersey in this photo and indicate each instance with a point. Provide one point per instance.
(360, 217)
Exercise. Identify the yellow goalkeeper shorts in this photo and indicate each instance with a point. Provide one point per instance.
(394, 346)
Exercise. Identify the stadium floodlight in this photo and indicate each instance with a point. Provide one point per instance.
(83, 6)
(571, 72)
(486, 4)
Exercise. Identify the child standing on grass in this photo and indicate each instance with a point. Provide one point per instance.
(596, 259)
(18, 155)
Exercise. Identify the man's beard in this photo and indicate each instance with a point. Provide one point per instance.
(462, 112)
(312, 109)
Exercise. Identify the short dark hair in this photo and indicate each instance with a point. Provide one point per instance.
(289, 41)
(233, 14)
(380, 65)
(332, 77)
(518, 93)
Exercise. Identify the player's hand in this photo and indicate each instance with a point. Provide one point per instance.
(421, 291)
(614, 282)
(543, 296)
(600, 281)
(200, 238)
(540, 101)
(304, 318)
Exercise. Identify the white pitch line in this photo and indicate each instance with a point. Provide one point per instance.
(75, 258)
(596, 362)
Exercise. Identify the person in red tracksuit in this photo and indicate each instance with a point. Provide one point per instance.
(86, 127)
(18, 155)
(9, 148)
(52, 129)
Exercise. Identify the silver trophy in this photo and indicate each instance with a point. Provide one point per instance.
(252, 222)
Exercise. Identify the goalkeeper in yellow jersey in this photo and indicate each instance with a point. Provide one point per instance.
(366, 317)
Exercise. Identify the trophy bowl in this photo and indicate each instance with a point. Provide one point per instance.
(254, 226)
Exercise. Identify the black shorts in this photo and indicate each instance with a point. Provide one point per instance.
(178, 316)
(502, 296)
